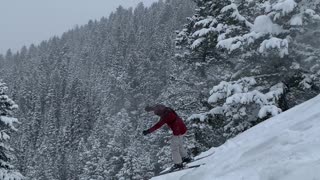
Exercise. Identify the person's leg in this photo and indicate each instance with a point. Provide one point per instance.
(175, 146)
(182, 150)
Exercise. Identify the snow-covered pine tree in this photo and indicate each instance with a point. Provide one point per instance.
(256, 37)
(137, 161)
(7, 106)
(94, 161)
(237, 106)
(213, 22)
(2, 60)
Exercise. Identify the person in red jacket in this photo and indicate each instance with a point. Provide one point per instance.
(169, 116)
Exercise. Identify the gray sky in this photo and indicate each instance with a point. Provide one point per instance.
(23, 22)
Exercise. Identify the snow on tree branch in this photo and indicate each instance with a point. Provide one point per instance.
(312, 14)
(225, 89)
(197, 43)
(209, 21)
(281, 45)
(226, 26)
(9, 121)
(236, 14)
(285, 6)
(296, 20)
(241, 104)
(264, 24)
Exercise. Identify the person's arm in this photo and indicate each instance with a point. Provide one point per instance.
(155, 127)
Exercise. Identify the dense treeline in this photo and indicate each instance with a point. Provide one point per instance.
(82, 95)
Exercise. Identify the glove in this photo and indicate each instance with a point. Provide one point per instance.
(145, 132)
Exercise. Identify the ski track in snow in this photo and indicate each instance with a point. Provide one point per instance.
(285, 147)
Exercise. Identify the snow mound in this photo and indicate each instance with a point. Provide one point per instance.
(285, 147)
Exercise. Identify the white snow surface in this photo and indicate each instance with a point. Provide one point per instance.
(285, 147)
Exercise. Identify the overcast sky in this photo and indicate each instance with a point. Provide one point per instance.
(23, 22)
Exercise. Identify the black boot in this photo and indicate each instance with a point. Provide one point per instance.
(186, 159)
(177, 166)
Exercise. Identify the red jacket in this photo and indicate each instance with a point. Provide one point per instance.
(169, 117)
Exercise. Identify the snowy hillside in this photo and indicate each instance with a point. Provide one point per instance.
(286, 147)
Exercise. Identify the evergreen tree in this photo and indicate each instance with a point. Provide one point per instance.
(239, 105)
(7, 106)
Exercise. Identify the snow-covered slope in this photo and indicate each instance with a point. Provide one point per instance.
(286, 147)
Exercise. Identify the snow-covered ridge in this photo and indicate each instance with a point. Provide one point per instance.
(285, 147)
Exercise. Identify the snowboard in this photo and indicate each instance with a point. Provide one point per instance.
(171, 170)
(186, 166)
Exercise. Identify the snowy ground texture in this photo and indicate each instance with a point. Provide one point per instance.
(286, 147)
